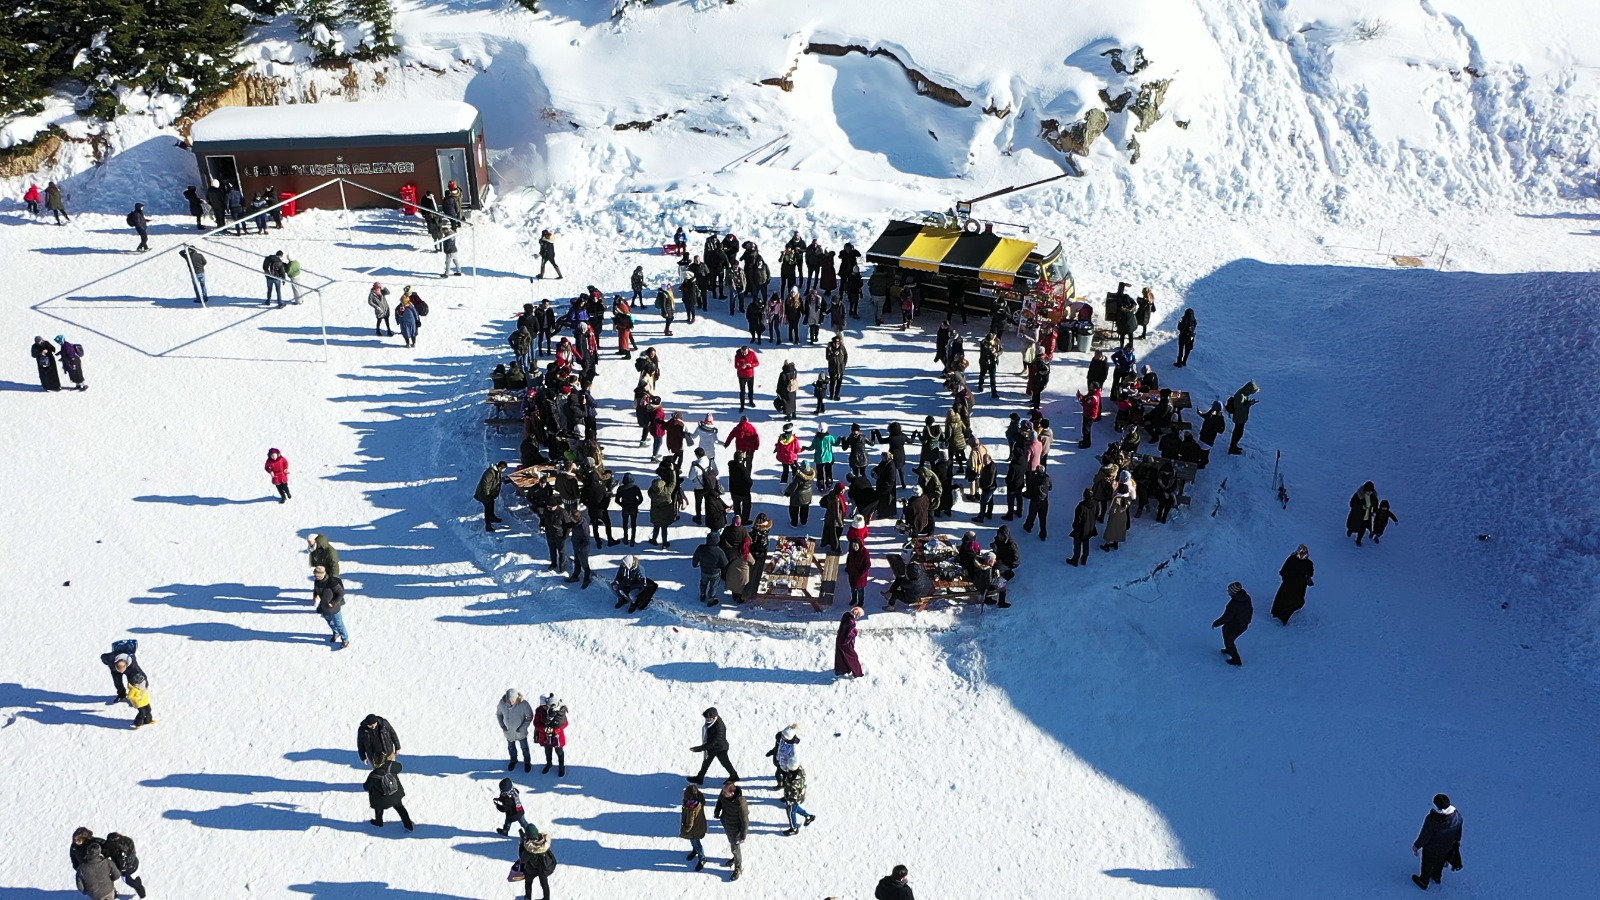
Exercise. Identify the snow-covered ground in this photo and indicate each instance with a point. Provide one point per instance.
(1087, 742)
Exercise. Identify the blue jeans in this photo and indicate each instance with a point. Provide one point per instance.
(200, 285)
(793, 809)
(274, 285)
(699, 848)
(336, 623)
(511, 748)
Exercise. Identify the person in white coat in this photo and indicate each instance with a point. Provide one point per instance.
(705, 436)
(515, 716)
(792, 777)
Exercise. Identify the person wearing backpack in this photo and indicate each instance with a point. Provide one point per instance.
(120, 850)
(537, 861)
(124, 664)
(408, 317)
(72, 361)
(1239, 407)
(384, 791)
(140, 224)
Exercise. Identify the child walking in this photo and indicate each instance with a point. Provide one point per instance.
(509, 801)
(139, 699)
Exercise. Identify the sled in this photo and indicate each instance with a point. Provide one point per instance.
(673, 249)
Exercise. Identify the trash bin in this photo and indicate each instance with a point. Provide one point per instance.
(1083, 341)
(289, 208)
(408, 199)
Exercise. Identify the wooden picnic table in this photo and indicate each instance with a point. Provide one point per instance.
(950, 581)
(1181, 400)
(790, 572)
(504, 402)
(1186, 472)
(526, 478)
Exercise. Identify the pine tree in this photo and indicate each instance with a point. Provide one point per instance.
(30, 54)
(318, 24)
(376, 17)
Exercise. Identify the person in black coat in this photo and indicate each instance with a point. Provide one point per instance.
(1296, 573)
(123, 665)
(1186, 329)
(44, 354)
(1008, 556)
(1084, 518)
(538, 863)
(384, 791)
(376, 740)
(893, 886)
(741, 484)
(1234, 621)
(1037, 490)
(1439, 842)
(120, 850)
(197, 208)
(714, 744)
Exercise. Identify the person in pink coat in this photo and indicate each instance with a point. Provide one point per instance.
(550, 729)
(1091, 413)
(278, 467)
(845, 660)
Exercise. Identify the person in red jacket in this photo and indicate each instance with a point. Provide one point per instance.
(744, 438)
(278, 467)
(1091, 412)
(745, 361)
(550, 727)
(787, 450)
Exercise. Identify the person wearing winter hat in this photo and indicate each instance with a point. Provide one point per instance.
(509, 801)
(378, 299)
(787, 450)
(550, 724)
(705, 435)
(514, 714)
(714, 745)
(792, 777)
(1234, 621)
(692, 824)
(536, 860)
(278, 469)
(1438, 843)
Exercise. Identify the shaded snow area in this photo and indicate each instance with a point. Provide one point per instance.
(1087, 742)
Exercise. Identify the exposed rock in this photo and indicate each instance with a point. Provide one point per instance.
(919, 82)
(1077, 137)
(646, 124)
(1148, 107)
(1115, 104)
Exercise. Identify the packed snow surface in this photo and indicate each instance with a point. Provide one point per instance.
(1089, 741)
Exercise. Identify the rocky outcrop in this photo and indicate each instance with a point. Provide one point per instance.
(1077, 137)
(920, 82)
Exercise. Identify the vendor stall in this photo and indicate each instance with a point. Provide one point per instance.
(937, 555)
(970, 271)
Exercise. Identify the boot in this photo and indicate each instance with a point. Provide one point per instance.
(1419, 881)
(561, 770)
(545, 770)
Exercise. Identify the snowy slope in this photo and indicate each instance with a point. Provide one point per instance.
(1087, 742)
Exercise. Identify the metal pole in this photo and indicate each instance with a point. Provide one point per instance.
(346, 204)
(322, 314)
(1443, 259)
(474, 255)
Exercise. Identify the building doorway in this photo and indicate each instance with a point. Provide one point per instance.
(453, 167)
(223, 170)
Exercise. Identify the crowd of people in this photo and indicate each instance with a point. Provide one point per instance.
(862, 478)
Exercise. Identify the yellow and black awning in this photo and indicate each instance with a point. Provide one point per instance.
(950, 251)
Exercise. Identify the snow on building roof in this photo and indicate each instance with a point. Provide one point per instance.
(334, 120)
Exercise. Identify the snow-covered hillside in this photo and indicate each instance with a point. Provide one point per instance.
(1087, 742)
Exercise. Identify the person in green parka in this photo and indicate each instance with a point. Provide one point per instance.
(822, 456)
(323, 554)
(663, 511)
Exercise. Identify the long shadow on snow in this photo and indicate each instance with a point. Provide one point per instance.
(19, 701)
(1332, 735)
(245, 784)
(366, 890)
(287, 817)
(228, 598)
